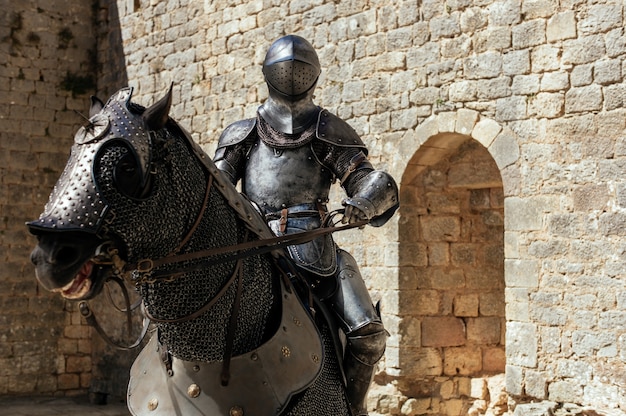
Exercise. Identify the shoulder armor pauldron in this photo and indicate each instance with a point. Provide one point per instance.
(333, 130)
(237, 132)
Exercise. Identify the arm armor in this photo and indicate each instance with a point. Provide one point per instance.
(377, 196)
(233, 146)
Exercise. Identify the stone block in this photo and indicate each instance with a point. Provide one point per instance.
(78, 364)
(484, 330)
(447, 389)
(607, 72)
(414, 407)
(584, 50)
(600, 18)
(466, 305)
(511, 108)
(68, 381)
(521, 273)
(564, 391)
(472, 19)
(590, 197)
(422, 362)
(466, 120)
(462, 361)
(485, 131)
(438, 254)
(420, 302)
(445, 26)
(521, 344)
(453, 406)
(504, 13)
(492, 303)
(615, 43)
(446, 121)
(441, 228)
(478, 388)
(525, 85)
(492, 39)
(539, 8)
(514, 380)
(529, 33)
(485, 65)
(535, 409)
(555, 81)
(523, 213)
(561, 26)
(409, 331)
(456, 48)
(422, 56)
(581, 75)
(505, 149)
(443, 332)
(547, 105)
(494, 360)
(516, 62)
(535, 384)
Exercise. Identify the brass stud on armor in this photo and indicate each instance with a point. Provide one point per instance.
(235, 411)
(193, 391)
(153, 404)
(286, 352)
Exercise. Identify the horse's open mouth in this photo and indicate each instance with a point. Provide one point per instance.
(80, 286)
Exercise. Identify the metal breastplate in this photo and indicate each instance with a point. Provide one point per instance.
(280, 178)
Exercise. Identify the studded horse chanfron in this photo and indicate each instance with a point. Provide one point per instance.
(140, 200)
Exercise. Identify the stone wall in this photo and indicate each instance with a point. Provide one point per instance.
(537, 83)
(47, 68)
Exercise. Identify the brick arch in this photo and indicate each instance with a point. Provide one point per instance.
(451, 306)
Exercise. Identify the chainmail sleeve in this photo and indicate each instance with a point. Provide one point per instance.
(373, 192)
(341, 161)
(231, 159)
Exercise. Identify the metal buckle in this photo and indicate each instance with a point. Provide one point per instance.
(145, 266)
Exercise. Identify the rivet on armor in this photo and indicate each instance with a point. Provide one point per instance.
(254, 356)
(297, 321)
(286, 351)
(315, 358)
(196, 368)
(235, 411)
(153, 404)
(193, 391)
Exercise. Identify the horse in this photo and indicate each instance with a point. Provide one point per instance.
(237, 332)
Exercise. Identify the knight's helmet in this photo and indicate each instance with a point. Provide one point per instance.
(291, 69)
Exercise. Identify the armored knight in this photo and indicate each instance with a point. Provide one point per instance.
(287, 158)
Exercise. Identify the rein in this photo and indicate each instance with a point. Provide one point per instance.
(87, 313)
(227, 253)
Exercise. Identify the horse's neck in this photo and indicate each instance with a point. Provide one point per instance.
(204, 338)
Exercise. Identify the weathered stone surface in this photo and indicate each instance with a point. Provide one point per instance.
(537, 83)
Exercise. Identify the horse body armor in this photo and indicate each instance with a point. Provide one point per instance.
(261, 381)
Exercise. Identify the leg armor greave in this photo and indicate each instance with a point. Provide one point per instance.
(361, 322)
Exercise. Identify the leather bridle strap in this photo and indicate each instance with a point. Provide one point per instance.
(232, 252)
(87, 313)
(232, 327)
(198, 218)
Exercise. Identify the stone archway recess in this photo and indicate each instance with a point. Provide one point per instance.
(436, 140)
